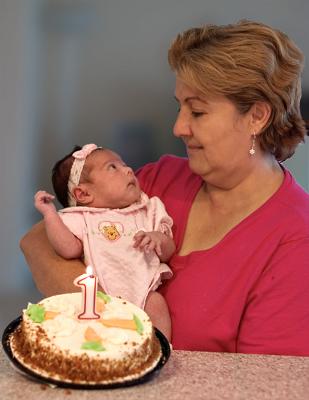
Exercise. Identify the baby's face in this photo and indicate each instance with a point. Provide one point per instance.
(112, 183)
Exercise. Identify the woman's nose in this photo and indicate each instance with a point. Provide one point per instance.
(182, 125)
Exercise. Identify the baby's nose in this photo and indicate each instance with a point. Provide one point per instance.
(128, 170)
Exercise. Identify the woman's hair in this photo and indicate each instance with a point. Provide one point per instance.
(60, 177)
(247, 62)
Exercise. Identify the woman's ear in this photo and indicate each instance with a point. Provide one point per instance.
(260, 114)
(82, 195)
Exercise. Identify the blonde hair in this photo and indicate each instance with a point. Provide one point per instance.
(247, 62)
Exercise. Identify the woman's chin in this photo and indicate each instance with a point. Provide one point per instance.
(197, 166)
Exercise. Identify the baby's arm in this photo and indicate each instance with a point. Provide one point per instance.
(161, 243)
(61, 238)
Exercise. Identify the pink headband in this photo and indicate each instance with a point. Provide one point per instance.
(76, 170)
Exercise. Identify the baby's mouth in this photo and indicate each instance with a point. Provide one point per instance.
(132, 183)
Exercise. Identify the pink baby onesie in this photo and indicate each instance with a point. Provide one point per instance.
(107, 237)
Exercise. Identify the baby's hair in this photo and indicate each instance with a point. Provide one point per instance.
(60, 177)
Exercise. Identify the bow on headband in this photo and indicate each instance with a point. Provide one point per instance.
(85, 151)
(76, 170)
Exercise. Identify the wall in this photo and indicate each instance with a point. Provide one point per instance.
(96, 71)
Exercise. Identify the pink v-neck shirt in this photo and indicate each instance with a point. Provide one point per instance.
(250, 292)
(107, 237)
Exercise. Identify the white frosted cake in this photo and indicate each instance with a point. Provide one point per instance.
(52, 341)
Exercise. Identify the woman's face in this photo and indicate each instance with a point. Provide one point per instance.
(216, 135)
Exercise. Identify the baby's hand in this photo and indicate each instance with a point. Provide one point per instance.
(43, 202)
(148, 241)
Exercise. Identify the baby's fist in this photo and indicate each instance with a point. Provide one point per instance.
(43, 202)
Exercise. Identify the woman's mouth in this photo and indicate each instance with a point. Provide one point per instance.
(193, 147)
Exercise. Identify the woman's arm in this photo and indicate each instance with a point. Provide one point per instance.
(52, 274)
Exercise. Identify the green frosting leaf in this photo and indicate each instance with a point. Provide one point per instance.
(96, 346)
(103, 296)
(36, 312)
(139, 325)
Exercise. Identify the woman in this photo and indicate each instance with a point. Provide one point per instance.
(241, 222)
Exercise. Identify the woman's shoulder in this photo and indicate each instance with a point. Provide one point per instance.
(294, 196)
(164, 163)
(168, 172)
(293, 205)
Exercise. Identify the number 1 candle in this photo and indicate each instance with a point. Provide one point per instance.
(88, 283)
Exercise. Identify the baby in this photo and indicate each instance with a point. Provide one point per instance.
(122, 233)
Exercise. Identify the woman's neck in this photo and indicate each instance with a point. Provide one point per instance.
(218, 209)
(250, 190)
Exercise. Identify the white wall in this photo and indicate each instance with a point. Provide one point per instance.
(75, 71)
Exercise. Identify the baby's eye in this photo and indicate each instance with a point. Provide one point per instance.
(112, 166)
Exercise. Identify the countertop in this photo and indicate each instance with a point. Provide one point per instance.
(187, 375)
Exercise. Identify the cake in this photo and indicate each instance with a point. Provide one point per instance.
(53, 342)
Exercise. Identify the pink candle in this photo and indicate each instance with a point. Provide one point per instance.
(88, 283)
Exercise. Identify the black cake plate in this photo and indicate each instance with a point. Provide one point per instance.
(165, 348)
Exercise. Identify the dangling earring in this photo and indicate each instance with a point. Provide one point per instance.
(252, 150)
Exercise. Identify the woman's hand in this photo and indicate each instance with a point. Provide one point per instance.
(51, 273)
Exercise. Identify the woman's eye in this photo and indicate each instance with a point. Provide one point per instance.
(196, 114)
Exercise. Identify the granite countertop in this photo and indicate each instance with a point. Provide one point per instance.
(187, 375)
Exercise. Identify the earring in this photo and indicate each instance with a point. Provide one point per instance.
(252, 150)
